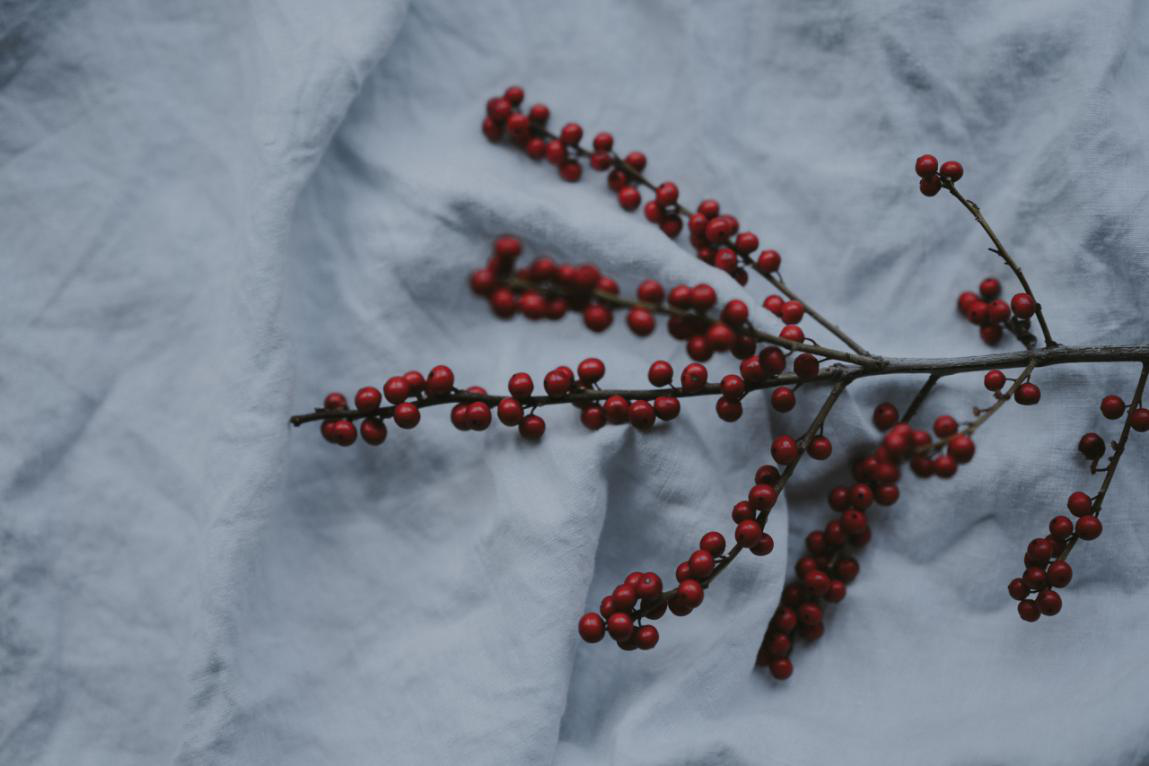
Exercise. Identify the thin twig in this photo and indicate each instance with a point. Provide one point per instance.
(999, 248)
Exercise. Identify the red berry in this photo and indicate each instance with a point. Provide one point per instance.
(510, 412)
(478, 415)
(782, 399)
(735, 313)
(1059, 574)
(636, 160)
(406, 415)
(733, 387)
(597, 317)
(701, 564)
(793, 333)
(341, 432)
(769, 261)
(396, 389)
(930, 186)
(748, 533)
(591, 370)
(641, 414)
(772, 359)
(861, 496)
(944, 466)
(1112, 407)
(819, 448)
(926, 165)
(591, 628)
(746, 243)
(713, 543)
(661, 373)
(629, 198)
(806, 366)
(646, 637)
(703, 297)
(650, 291)
(1048, 602)
(994, 380)
(1139, 419)
(945, 426)
(521, 385)
(961, 448)
(620, 626)
(792, 312)
(649, 586)
(459, 417)
(368, 399)
(691, 592)
(571, 133)
(764, 546)
(810, 614)
(885, 416)
(784, 450)
(570, 171)
(951, 170)
(1060, 527)
(666, 194)
(817, 582)
(1088, 527)
(617, 409)
(1034, 577)
(846, 569)
(532, 427)
(728, 410)
(781, 668)
(1028, 610)
(693, 377)
(335, 401)
(556, 384)
(373, 431)
(1018, 590)
(440, 381)
(1027, 393)
(1023, 305)
(593, 418)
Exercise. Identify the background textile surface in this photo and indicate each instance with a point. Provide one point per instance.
(214, 212)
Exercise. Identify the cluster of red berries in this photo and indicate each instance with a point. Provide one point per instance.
(826, 568)
(715, 236)
(932, 176)
(641, 597)
(991, 313)
(1045, 564)
(398, 390)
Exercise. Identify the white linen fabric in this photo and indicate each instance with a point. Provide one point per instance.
(216, 212)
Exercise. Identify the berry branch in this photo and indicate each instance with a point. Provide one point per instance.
(788, 364)
(947, 176)
(708, 229)
(1041, 575)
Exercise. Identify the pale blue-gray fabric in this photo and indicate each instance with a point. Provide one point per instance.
(215, 212)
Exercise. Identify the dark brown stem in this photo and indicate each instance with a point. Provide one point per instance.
(1043, 357)
(999, 248)
(920, 397)
(1118, 451)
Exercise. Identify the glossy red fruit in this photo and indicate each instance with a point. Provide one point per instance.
(591, 370)
(666, 407)
(806, 366)
(764, 546)
(693, 377)
(930, 186)
(951, 170)
(1139, 419)
(701, 564)
(620, 626)
(593, 417)
(591, 628)
(945, 426)
(373, 430)
(1023, 305)
(769, 261)
(1027, 393)
(649, 586)
(1079, 504)
(926, 165)
(691, 592)
(440, 380)
(994, 380)
(1061, 527)
(641, 414)
(510, 412)
(478, 416)
(961, 448)
(820, 448)
(781, 668)
(1059, 574)
(748, 533)
(1048, 602)
(1088, 528)
(368, 399)
(667, 194)
(532, 427)
(406, 415)
(646, 637)
(784, 450)
(660, 373)
(396, 389)
(629, 198)
(782, 399)
(990, 288)
(885, 416)
(1112, 407)
(1028, 610)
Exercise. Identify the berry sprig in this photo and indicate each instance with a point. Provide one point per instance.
(993, 315)
(715, 236)
(641, 596)
(935, 178)
(1046, 568)
(545, 289)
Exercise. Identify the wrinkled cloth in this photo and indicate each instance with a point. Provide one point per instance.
(214, 213)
